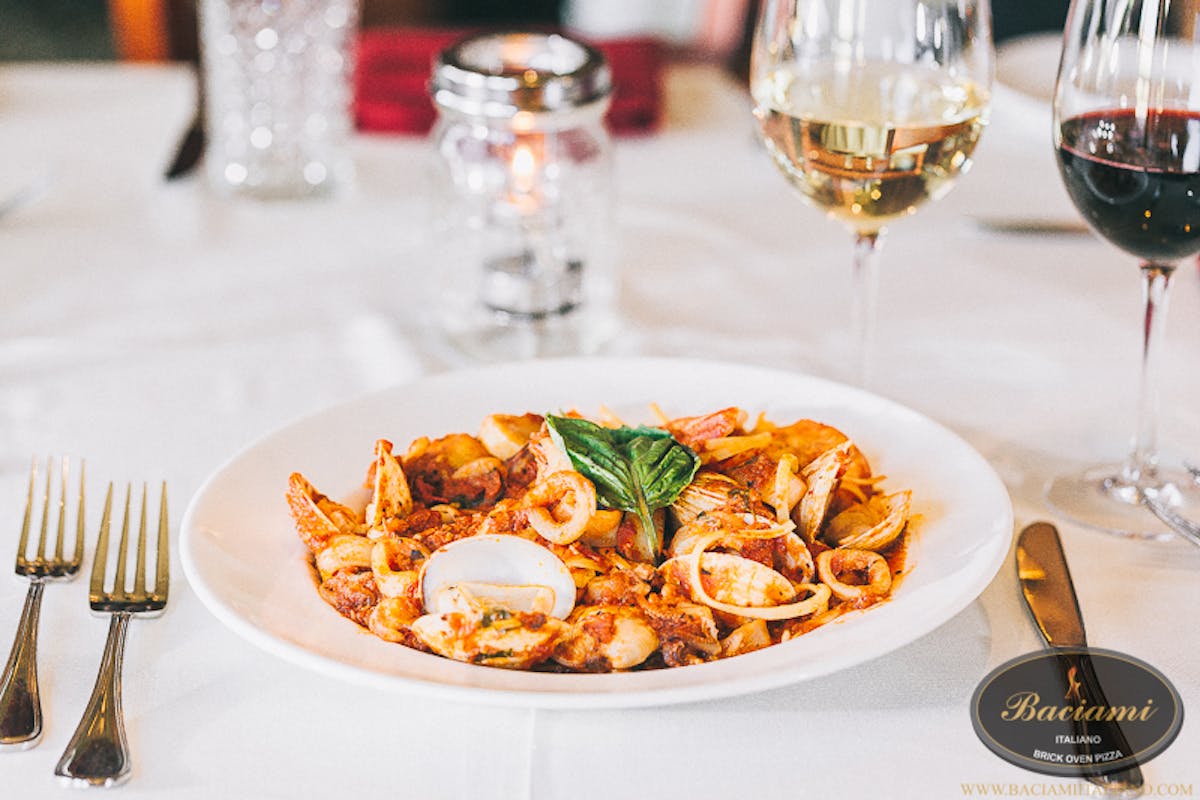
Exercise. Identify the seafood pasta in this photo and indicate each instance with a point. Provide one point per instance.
(561, 544)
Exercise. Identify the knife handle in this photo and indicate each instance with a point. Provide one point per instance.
(1124, 781)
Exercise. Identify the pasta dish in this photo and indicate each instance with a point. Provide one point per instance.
(564, 544)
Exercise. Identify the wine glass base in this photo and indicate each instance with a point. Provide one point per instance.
(1102, 500)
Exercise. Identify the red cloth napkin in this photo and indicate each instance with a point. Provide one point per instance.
(391, 80)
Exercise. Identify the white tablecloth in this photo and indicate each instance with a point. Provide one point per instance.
(157, 331)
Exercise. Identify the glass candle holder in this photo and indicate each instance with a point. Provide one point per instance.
(277, 85)
(523, 196)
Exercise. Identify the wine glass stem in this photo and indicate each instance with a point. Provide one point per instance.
(863, 312)
(1142, 464)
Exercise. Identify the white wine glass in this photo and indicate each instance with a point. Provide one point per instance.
(871, 108)
(1127, 135)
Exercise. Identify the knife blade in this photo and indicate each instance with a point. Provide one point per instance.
(1047, 586)
(1050, 597)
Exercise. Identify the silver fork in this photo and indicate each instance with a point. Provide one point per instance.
(20, 704)
(98, 754)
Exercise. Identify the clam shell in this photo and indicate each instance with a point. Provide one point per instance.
(499, 560)
(872, 525)
(527, 598)
(708, 492)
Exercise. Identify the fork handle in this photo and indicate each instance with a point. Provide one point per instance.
(20, 706)
(98, 754)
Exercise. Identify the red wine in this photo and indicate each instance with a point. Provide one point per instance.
(1136, 179)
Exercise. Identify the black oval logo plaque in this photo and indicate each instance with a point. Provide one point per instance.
(1075, 712)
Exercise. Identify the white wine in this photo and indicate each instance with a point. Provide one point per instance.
(870, 143)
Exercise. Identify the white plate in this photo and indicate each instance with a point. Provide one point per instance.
(243, 558)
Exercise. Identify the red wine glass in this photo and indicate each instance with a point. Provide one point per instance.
(1127, 134)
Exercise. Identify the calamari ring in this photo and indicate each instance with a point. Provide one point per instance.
(832, 563)
(560, 506)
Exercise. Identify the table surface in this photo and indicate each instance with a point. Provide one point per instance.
(157, 330)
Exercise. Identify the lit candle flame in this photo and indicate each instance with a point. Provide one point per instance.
(524, 168)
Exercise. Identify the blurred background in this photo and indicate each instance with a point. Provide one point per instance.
(42, 30)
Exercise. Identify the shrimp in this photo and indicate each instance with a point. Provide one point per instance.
(746, 638)
(616, 587)
(353, 594)
(548, 457)
(504, 434)
(808, 439)
(392, 621)
(606, 638)
(687, 631)
(344, 551)
(601, 530)
(317, 517)
(694, 431)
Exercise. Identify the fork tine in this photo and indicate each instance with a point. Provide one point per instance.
(139, 575)
(77, 559)
(41, 548)
(62, 513)
(118, 590)
(162, 576)
(24, 541)
(98, 563)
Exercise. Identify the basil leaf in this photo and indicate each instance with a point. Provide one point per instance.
(664, 467)
(638, 470)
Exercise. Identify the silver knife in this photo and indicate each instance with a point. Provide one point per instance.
(1050, 597)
